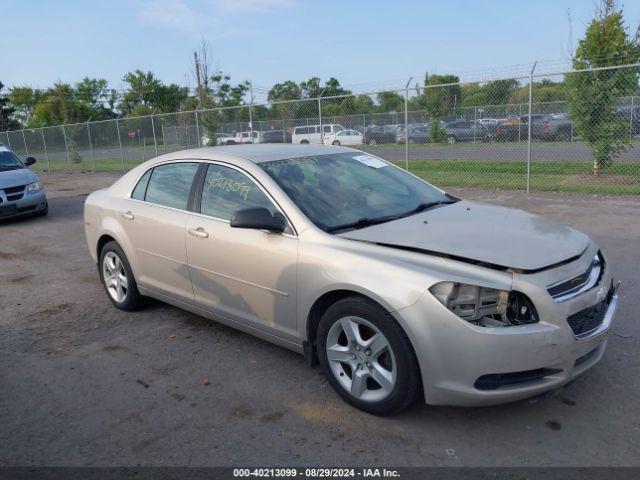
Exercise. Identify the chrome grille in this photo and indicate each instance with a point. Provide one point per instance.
(580, 283)
(589, 319)
(13, 194)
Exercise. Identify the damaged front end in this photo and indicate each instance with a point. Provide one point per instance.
(485, 307)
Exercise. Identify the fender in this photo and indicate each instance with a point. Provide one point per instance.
(112, 227)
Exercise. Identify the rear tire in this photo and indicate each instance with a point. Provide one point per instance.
(117, 278)
(451, 140)
(304, 142)
(372, 366)
(564, 135)
(372, 142)
(336, 143)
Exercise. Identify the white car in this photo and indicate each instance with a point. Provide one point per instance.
(487, 121)
(344, 137)
(221, 139)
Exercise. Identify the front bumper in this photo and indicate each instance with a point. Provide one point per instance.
(29, 204)
(458, 360)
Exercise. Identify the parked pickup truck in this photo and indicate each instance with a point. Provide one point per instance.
(552, 127)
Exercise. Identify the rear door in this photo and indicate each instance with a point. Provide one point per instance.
(248, 276)
(154, 220)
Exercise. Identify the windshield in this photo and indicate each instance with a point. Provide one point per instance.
(351, 190)
(8, 159)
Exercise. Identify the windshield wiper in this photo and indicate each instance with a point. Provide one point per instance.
(426, 206)
(367, 222)
(360, 223)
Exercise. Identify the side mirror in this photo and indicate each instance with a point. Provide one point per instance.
(29, 161)
(258, 219)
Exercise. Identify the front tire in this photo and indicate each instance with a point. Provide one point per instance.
(44, 212)
(117, 278)
(336, 143)
(367, 357)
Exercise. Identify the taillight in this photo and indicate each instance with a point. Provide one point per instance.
(545, 125)
(497, 128)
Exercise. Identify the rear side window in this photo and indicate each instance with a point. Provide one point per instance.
(141, 187)
(170, 184)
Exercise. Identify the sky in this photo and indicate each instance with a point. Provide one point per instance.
(365, 44)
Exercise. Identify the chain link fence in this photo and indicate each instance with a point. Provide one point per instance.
(575, 131)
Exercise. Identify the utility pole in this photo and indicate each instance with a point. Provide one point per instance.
(529, 128)
(251, 109)
(200, 87)
(320, 116)
(406, 124)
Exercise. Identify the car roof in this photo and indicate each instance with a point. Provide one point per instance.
(256, 153)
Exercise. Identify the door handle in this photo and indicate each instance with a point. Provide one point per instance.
(198, 232)
(128, 215)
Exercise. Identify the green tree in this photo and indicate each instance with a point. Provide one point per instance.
(592, 95)
(147, 93)
(543, 91)
(24, 100)
(311, 88)
(498, 92)
(284, 92)
(141, 90)
(390, 102)
(6, 112)
(59, 105)
(288, 90)
(95, 94)
(441, 95)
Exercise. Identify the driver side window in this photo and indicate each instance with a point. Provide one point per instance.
(227, 190)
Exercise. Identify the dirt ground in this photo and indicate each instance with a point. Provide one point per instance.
(83, 384)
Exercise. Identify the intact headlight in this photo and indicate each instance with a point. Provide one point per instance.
(34, 187)
(486, 307)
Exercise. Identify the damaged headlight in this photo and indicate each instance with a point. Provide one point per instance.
(486, 307)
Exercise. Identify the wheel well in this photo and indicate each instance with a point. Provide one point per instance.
(317, 310)
(102, 241)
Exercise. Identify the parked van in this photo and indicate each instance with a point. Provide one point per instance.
(245, 137)
(311, 133)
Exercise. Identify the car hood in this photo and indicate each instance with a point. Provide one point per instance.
(499, 236)
(14, 178)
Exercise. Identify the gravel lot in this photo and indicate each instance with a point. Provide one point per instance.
(82, 383)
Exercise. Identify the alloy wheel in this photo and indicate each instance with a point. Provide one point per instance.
(115, 277)
(361, 359)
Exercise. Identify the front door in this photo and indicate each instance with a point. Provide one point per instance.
(246, 275)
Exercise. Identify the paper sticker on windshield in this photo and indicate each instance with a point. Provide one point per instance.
(370, 161)
(3, 148)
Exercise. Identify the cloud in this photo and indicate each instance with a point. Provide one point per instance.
(173, 14)
(254, 6)
(195, 17)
